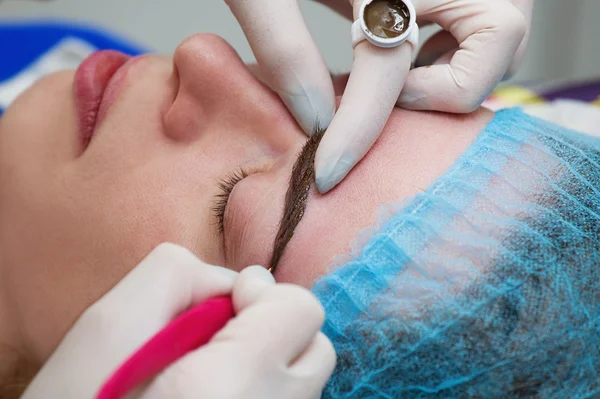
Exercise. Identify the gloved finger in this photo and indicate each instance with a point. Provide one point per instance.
(169, 280)
(260, 342)
(318, 359)
(489, 33)
(288, 58)
(250, 284)
(526, 8)
(374, 85)
(277, 327)
(438, 49)
(204, 372)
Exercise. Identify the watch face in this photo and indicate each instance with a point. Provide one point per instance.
(387, 19)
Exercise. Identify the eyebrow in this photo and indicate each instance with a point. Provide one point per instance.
(303, 176)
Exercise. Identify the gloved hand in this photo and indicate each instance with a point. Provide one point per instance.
(490, 34)
(272, 349)
(169, 281)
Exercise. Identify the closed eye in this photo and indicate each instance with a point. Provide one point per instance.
(226, 186)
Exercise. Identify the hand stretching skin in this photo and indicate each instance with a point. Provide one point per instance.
(489, 38)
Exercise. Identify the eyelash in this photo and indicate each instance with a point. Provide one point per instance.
(226, 186)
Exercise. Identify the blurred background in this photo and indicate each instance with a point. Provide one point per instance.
(565, 36)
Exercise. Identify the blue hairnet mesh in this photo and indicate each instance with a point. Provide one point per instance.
(486, 285)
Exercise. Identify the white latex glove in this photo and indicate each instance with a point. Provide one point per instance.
(167, 282)
(272, 349)
(490, 33)
(170, 280)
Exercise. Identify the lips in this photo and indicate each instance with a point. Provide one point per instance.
(92, 79)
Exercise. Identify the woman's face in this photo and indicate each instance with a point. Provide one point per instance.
(89, 186)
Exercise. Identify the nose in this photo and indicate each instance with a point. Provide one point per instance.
(216, 87)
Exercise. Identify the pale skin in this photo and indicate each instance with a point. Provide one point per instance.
(75, 222)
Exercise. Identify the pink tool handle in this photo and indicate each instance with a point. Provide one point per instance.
(184, 334)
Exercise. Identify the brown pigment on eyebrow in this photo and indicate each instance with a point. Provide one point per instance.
(303, 176)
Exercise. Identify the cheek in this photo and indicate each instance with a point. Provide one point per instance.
(65, 245)
(48, 138)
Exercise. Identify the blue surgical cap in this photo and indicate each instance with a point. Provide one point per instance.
(486, 285)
